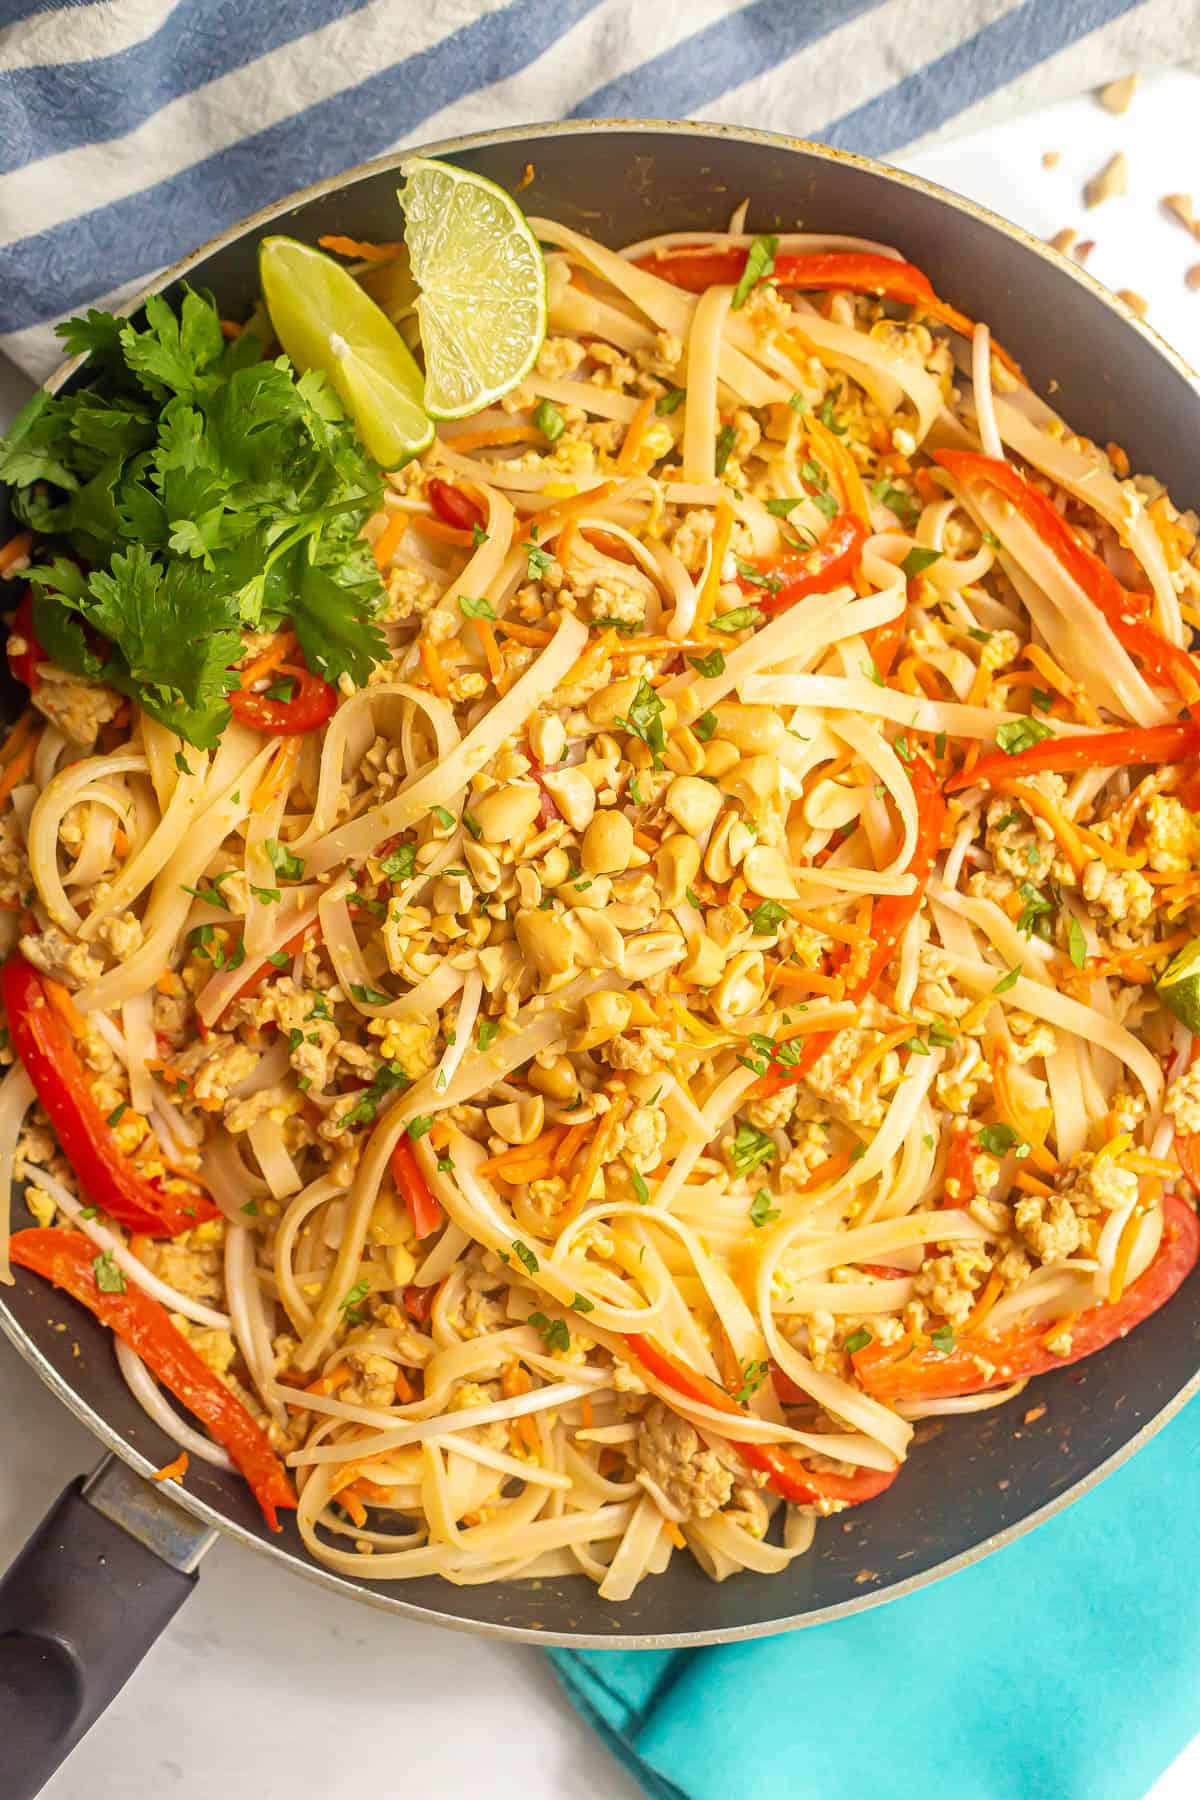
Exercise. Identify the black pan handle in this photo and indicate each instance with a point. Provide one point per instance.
(101, 1577)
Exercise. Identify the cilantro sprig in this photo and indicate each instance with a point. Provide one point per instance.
(198, 492)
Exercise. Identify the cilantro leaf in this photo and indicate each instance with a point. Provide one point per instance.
(760, 262)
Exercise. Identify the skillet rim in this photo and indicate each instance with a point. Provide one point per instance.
(391, 1599)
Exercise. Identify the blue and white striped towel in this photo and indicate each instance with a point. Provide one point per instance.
(132, 130)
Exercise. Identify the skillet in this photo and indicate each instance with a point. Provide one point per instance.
(117, 1554)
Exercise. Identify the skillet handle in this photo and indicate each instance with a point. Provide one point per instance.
(99, 1580)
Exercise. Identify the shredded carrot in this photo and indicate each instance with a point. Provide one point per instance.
(431, 662)
(1125, 1243)
(277, 651)
(586, 1414)
(1174, 538)
(722, 530)
(1030, 1184)
(330, 1382)
(350, 1501)
(876, 1052)
(590, 660)
(1029, 1127)
(140, 1245)
(166, 983)
(673, 1532)
(278, 776)
(15, 549)
(566, 541)
(523, 1433)
(495, 436)
(388, 541)
(230, 329)
(645, 841)
(1067, 834)
(1062, 684)
(826, 1171)
(840, 933)
(17, 736)
(568, 1149)
(1059, 1325)
(425, 525)
(540, 1150)
(992, 1290)
(562, 510)
(811, 981)
(980, 686)
(581, 1183)
(635, 436)
(1142, 1164)
(491, 650)
(173, 1471)
(405, 1391)
(843, 465)
(60, 999)
(523, 634)
(359, 249)
(16, 770)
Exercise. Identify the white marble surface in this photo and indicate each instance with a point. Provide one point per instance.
(239, 1697)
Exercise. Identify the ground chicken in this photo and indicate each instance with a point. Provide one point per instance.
(216, 1065)
(1117, 896)
(55, 954)
(409, 1042)
(691, 1478)
(1048, 1225)
(121, 934)
(1183, 1100)
(831, 1087)
(811, 1148)
(1172, 837)
(1030, 1037)
(748, 1509)
(642, 1052)
(78, 708)
(773, 1111)
(560, 356)
(642, 1138)
(957, 1084)
(409, 595)
(951, 1282)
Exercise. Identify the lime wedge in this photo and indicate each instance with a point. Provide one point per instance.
(325, 321)
(483, 286)
(1179, 985)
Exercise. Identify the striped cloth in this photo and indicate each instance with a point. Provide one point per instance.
(132, 130)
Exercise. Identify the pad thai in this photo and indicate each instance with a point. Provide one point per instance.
(621, 969)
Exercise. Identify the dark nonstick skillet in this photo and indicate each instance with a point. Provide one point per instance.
(117, 1555)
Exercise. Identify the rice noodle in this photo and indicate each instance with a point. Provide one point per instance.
(151, 1399)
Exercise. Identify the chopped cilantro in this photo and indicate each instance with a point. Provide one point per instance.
(670, 401)
(916, 1046)
(1041, 700)
(356, 1295)
(767, 917)
(554, 1333)
(639, 1183)
(1036, 909)
(182, 763)
(1076, 943)
(486, 1033)
(473, 826)
(826, 414)
(749, 1149)
(941, 1034)
(943, 1339)
(979, 634)
(918, 560)
(282, 861)
(705, 726)
(1021, 734)
(251, 1209)
(1007, 981)
(858, 1340)
(268, 896)
(401, 864)
(939, 744)
(478, 535)
(420, 1125)
(896, 500)
(444, 817)
(549, 421)
(644, 720)
(726, 438)
(210, 891)
(997, 1139)
(797, 401)
(386, 1079)
(761, 1211)
(110, 1276)
(525, 1256)
(900, 745)
(475, 609)
(536, 561)
(282, 691)
(752, 1377)
(760, 261)
(740, 619)
(581, 1304)
(712, 663)
(117, 1113)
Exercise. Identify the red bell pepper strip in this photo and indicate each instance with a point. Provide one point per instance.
(912, 1369)
(784, 1471)
(452, 506)
(416, 1193)
(1099, 750)
(795, 577)
(313, 701)
(68, 1259)
(24, 662)
(1125, 612)
(418, 1302)
(42, 1041)
(854, 271)
(889, 920)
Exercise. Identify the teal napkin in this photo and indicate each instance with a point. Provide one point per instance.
(1065, 1667)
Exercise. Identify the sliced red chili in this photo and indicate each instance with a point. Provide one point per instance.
(795, 576)
(452, 506)
(23, 662)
